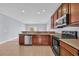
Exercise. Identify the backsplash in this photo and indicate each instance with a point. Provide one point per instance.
(36, 27)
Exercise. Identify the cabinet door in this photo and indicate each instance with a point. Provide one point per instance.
(52, 22)
(74, 12)
(45, 40)
(36, 40)
(55, 18)
(64, 52)
(21, 39)
(65, 8)
(60, 12)
(67, 49)
(41, 40)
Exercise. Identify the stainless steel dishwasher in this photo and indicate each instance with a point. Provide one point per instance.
(28, 40)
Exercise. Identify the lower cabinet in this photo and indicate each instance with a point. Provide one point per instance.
(21, 39)
(64, 52)
(67, 50)
(41, 40)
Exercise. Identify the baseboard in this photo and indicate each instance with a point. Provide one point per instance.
(8, 40)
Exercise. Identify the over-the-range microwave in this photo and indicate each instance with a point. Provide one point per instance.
(62, 21)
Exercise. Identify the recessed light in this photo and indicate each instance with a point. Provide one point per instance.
(44, 10)
(23, 11)
(38, 12)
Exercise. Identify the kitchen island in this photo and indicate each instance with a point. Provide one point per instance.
(38, 38)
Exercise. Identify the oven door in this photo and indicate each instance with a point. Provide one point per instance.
(56, 45)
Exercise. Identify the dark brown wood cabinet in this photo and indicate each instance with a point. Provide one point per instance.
(21, 39)
(55, 17)
(41, 40)
(59, 12)
(64, 52)
(52, 22)
(35, 40)
(67, 50)
(74, 12)
(38, 38)
(65, 8)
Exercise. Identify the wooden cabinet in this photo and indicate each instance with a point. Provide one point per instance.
(21, 39)
(35, 40)
(65, 8)
(74, 10)
(64, 52)
(45, 40)
(52, 22)
(60, 12)
(38, 38)
(67, 50)
(41, 40)
(55, 16)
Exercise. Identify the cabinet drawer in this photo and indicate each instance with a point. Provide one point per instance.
(69, 48)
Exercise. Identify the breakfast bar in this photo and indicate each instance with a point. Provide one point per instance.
(38, 38)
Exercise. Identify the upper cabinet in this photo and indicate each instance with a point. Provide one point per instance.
(74, 12)
(55, 16)
(52, 22)
(59, 12)
(69, 9)
(65, 8)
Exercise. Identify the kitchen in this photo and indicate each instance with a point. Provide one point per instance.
(52, 28)
(63, 32)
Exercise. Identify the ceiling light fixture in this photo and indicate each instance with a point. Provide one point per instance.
(38, 12)
(23, 11)
(43, 10)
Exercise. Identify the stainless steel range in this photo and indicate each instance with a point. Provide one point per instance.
(64, 35)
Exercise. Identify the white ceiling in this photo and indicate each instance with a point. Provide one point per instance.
(33, 12)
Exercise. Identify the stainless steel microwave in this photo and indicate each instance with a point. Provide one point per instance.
(62, 21)
(69, 35)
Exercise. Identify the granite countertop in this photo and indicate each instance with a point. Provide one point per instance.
(73, 42)
(37, 33)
